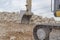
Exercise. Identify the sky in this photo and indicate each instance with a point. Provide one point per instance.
(39, 7)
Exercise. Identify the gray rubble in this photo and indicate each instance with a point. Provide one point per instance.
(39, 20)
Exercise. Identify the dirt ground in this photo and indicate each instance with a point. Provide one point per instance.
(55, 35)
(15, 31)
(12, 29)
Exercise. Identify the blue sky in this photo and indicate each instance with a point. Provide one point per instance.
(39, 7)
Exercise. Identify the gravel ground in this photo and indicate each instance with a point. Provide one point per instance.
(11, 29)
(14, 31)
(55, 35)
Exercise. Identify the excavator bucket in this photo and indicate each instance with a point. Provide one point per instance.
(26, 19)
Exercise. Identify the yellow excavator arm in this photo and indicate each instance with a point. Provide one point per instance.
(57, 13)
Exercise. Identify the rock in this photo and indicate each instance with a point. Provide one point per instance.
(55, 35)
(39, 19)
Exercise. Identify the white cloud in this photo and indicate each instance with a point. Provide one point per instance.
(18, 4)
(15, 3)
(42, 7)
(37, 4)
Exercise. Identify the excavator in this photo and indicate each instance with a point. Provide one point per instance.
(41, 31)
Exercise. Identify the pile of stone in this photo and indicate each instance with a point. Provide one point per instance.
(15, 17)
(9, 17)
(39, 19)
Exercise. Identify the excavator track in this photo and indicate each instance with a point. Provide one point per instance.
(42, 31)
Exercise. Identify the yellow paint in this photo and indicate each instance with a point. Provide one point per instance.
(57, 13)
